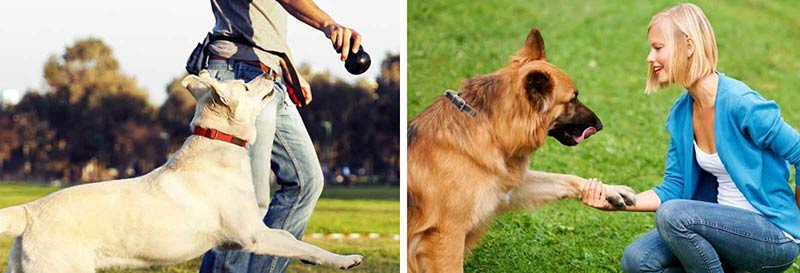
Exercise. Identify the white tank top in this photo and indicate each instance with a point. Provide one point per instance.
(728, 194)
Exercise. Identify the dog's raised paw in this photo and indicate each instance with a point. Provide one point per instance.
(353, 265)
(621, 196)
(615, 200)
(355, 260)
(629, 196)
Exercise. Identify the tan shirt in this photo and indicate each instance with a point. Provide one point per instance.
(263, 23)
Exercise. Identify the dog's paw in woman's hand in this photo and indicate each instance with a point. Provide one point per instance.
(606, 197)
(620, 196)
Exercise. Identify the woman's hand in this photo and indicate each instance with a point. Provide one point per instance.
(593, 194)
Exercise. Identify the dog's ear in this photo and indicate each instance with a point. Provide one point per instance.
(196, 86)
(539, 85)
(532, 50)
(199, 86)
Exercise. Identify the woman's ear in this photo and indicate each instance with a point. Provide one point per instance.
(689, 47)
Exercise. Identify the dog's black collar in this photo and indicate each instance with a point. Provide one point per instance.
(459, 102)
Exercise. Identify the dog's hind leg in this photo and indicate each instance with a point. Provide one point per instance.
(61, 265)
(444, 249)
(414, 254)
(56, 258)
(281, 243)
(419, 256)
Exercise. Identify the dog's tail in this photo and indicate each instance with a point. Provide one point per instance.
(13, 220)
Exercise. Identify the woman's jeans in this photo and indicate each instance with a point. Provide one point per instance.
(695, 236)
(283, 141)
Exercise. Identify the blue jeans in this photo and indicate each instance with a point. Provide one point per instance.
(695, 236)
(283, 141)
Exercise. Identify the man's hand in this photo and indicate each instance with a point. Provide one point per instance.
(343, 39)
(306, 88)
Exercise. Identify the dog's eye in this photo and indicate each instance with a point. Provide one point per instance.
(574, 99)
(246, 89)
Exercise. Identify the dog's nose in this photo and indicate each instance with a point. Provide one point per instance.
(599, 125)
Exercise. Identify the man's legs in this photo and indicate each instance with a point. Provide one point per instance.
(299, 175)
(281, 131)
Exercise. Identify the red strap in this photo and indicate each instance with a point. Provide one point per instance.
(294, 97)
(215, 134)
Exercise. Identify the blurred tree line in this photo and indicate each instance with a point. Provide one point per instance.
(94, 123)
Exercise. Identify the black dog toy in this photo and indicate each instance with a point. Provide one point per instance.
(358, 62)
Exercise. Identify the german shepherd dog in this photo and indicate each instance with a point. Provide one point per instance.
(463, 170)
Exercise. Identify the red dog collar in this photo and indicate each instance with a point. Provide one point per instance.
(215, 134)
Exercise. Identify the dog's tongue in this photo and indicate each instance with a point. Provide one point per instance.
(586, 134)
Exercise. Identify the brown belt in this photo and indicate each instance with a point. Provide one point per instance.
(269, 71)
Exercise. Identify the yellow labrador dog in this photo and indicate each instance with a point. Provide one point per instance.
(203, 197)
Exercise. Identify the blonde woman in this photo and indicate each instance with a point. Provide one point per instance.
(725, 203)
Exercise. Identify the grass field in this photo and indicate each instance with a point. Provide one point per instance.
(340, 210)
(602, 45)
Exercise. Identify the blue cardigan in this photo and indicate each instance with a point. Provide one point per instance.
(754, 144)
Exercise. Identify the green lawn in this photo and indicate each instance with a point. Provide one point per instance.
(340, 210)
(602, 45)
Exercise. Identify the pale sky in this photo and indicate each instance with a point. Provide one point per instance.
(151, 39)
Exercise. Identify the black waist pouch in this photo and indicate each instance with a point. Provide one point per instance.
(199, 58)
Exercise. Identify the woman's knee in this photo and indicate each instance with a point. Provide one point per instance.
(632, 259)
(639, 258)
(673, 214)
(647, 254)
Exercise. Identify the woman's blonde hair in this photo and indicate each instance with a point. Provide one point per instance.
(679, 23)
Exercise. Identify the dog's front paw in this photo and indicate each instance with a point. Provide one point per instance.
(351, 261)
(620, 196)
